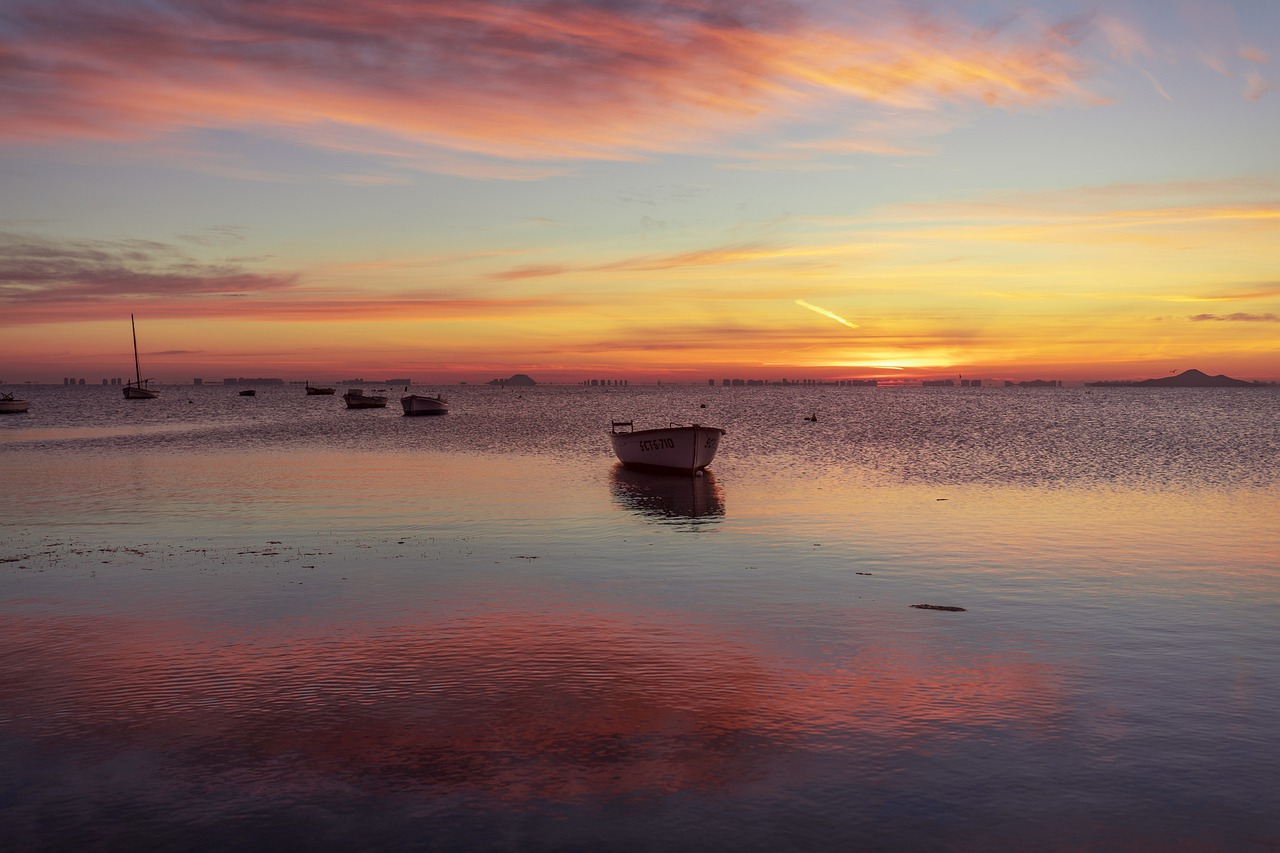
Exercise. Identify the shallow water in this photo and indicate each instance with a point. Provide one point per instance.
(243, 623)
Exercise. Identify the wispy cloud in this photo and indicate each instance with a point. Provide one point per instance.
(1156, 215)
(48, 281)
(825, 313)
(1238, 317)
(414, 81)
(715, 256)
(86, 271)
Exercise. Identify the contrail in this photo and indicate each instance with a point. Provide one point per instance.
(825, 313)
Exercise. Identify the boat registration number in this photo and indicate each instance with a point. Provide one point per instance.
(657, 444)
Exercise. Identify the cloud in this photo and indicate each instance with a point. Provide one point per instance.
(825, 313)
(1238, 317)
(33, 269)
(532, 271)
(418, 83)
(1154, 215)
(44, 281)
(77, 277)
(1125, 40)
(744, 253)
(1256, 85)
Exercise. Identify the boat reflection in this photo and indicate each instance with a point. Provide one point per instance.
(675, 498)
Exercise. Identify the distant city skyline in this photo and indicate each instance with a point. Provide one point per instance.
(727, 382)
(664, 191)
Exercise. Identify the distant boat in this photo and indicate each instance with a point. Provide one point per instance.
(673, 448)
(416, 404)
(356, 399)
(10, 406)
(311, 392)
(249, 392)
(137, 390)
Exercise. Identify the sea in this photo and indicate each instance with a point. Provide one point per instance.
(916, 619)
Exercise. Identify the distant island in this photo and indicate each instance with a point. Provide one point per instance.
(1187, 379)
(518, 379)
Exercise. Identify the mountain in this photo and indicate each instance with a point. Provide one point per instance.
(518, 379)
(1195, 379)
(1187, 379)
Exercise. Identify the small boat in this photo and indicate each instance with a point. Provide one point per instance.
(10, 406)
(312, 392)
(137, 390)
(249, 392)
(356, 399)
(417, 404)
(674, 448)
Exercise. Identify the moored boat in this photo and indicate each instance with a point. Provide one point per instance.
(11, 406)
(357, 399)
(137, 390)
(677, 447)
(249, 392)
(312, 392)
(417, 404)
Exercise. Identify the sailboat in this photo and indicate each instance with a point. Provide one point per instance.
(138, 390)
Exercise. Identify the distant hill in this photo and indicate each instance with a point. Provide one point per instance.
(518, 379)
(1187, 379)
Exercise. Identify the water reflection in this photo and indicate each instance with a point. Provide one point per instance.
(669, 498)
(566, 705)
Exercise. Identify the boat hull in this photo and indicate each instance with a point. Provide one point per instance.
(13, 407)
(317, 392)
(679, 448)
(357, 400)
(416, 404)
(133, 392)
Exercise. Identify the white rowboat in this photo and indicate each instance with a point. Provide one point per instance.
(10, 406)
(673, 448)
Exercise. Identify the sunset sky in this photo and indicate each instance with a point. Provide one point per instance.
(672, 190)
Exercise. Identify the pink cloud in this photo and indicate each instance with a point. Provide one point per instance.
(1255, 85)
(530, 80)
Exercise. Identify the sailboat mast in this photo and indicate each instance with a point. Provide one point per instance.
(137, 369)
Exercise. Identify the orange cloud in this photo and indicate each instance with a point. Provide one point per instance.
(414, 82)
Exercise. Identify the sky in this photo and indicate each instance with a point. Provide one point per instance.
(666, 191)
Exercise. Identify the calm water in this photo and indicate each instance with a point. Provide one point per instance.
(260, 623)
